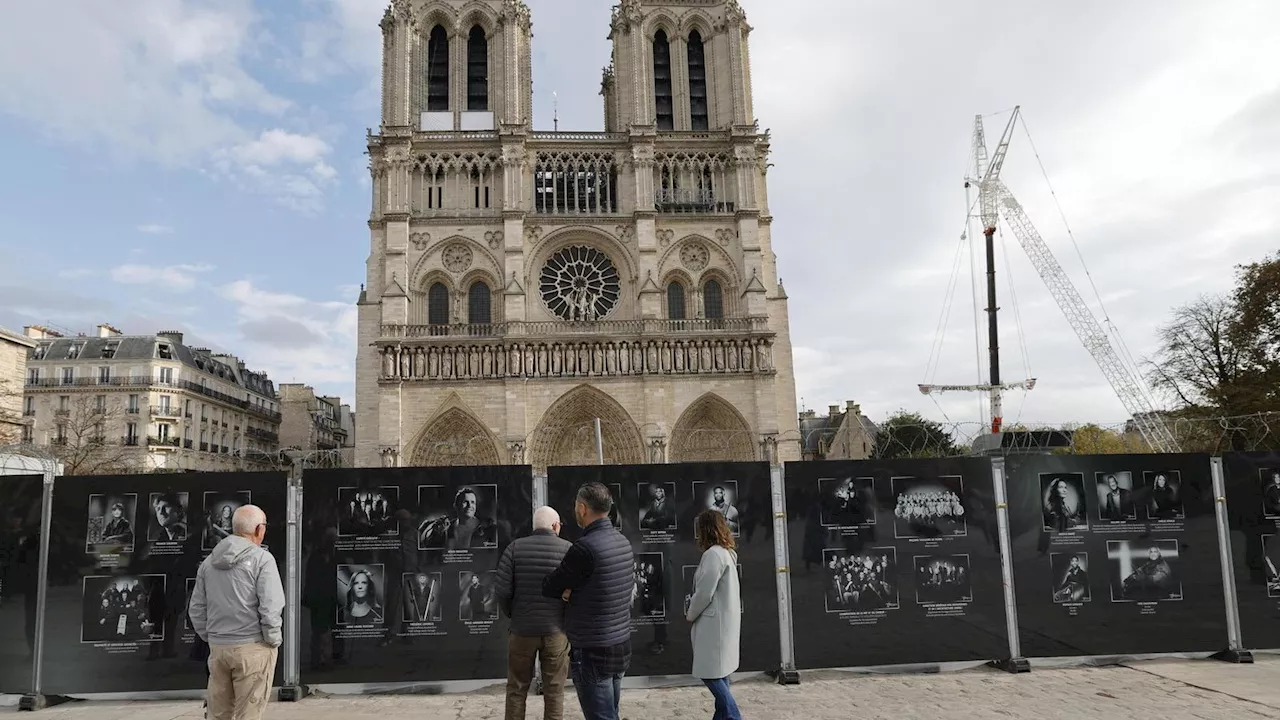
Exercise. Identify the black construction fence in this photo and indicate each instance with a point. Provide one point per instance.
(389, 572)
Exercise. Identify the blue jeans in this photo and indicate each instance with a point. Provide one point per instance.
(726, 707)
(598, 693)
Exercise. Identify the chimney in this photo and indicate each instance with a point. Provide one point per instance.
(854, 408)
(172, 336)
(835, 410)
(40, 332)
(807, 415)
(106, 331)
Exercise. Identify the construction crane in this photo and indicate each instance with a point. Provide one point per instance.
(994, 200)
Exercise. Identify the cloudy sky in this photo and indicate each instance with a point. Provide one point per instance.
(197, 165)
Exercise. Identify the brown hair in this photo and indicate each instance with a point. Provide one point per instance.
(710, 529)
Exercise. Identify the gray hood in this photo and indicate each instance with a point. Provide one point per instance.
(231, 552)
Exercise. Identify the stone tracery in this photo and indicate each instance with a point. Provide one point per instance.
(566, 435)
(711, 430)
(454, 437)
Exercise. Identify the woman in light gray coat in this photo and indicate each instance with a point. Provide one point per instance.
(715, 609)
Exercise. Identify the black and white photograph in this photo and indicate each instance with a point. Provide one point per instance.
(1270, 493)
(368, 512)
(219, 508)
(649, 595)
(462, 519)
(117, 608)
(943, 579)
(688, 572)
(847, 501)
(1271, 564)
(169, 523)
(186, 619)
(929, 507)
(1070, 577)
(423, 594)
(721, 497)
(615, 514)
(1144, 570)
(1115, 497)
(657, 506)
(478, 597)
(1164, 495)
(362, 593)
(864, 580)
(112, 520)
(1062, 502)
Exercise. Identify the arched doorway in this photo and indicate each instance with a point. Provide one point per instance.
(453, 437)
(712, 430)
(566, 434)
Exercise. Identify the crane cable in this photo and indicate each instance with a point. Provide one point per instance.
(1131, 365)
(935, 353)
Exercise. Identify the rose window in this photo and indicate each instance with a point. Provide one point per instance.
(580, 283)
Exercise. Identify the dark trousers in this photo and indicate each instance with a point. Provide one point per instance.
(726, 707)
(522, 651)
(599, 693)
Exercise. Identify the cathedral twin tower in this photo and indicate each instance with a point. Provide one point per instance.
(523, 284)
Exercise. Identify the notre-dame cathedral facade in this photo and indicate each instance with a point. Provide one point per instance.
(523, 284)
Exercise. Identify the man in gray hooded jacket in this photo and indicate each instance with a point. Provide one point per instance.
(236, 607)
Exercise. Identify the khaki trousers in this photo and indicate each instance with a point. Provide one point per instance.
(240, 678)
(553, 650)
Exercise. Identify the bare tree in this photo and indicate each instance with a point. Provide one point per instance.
(1198, 365)
(83, 439)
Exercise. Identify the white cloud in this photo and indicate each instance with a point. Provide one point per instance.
(288, 166)
(75, 274)
(155, 229)
(173, 277)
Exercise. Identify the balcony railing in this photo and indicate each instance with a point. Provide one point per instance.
(562, 328)
(130, 440)
(265, 413)
(266, 435)
(136, 410)
(29, 413)
(170, 442)
(690, 200)
(62, 413)
(98, 382)
(211, 393)
(186, 444)
(204, 447)
(167, 411)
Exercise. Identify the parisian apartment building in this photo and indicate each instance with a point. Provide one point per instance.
(13, 368)
(320, 425)
(116, 403)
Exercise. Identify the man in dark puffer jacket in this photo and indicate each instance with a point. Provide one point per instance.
(537, 622)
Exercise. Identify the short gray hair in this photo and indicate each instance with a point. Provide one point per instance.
(246, 519)
(545, 517)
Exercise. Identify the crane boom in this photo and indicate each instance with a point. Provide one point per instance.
(1086, 326)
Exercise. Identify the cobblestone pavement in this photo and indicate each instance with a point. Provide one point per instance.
(1167, 690)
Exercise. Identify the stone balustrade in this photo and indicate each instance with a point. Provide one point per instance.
(415, 361)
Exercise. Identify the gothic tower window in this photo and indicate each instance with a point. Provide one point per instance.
(477, 70)
(479, 304)
(438, 70)
(438, 305)
(675, 301)
(697, 82)
(712, 300)
(662, 99)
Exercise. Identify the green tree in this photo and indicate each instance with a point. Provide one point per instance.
(910, 435)
(1255, 329)
(1199, 365)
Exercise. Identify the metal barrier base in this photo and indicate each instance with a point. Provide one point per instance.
(785, 677)
(40, 702)
(1012, 665)
(1242, 657)
(291, 693)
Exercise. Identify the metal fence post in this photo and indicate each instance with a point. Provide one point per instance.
(539, 499)
(1015, 662)
(1235, 651)
(35, 700)
(290, 690)
(787, 673)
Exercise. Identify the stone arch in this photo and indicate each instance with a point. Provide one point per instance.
(495, 292)
(431, 262)
(700, 21)
(717, 256)
(566, 433)
(661, 21)
(477, 13)
(712, 430)
(437, 14)
(453, 437)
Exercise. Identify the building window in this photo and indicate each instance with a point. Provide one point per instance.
(438, 70)
(713, 300)
(64, 403)
(675, 301)
(162, 431)
(698, 114)
(100, 404)
(165, 401)
(104, 375)
(109, 350)
(438, 305)
(662, 100)
(479, 304)
(29, 406)
(28, 434)
(33, 376)
(166, 376)
(477, 70)
(68, 376)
